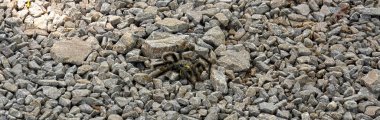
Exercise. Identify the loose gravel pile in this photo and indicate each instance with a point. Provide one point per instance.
(278, 59)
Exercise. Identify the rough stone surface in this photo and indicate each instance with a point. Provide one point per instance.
(236, 61)
(155, 48)
(71, 51)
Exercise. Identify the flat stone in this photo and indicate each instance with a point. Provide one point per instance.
(71, 51)
(172, 25)
(370, 11)
(372, 79)
(219, 80)
(51, 92)
(155, 48)
(236, 61)
(214, 36)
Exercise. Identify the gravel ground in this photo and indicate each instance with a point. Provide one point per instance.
(275, 59)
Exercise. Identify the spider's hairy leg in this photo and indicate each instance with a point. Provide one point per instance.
(160, 71)
(161, 64)
(167, 55)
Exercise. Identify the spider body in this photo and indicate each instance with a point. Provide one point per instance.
(188, 68)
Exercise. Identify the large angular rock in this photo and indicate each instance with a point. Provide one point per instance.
(236, 61)
(125, 43)
(214, 36)
(219, 79)
(155, 48)
(372, 79)
(72, 51)
(172, 25)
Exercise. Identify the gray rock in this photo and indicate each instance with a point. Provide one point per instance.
(283, 114)
(51, 92)
(195, 16)
(370, 11)
(155, 48)
(105, 8)
(236, 61)
(122, 101)
(212, 114)
(17, 69)
(13, 21)
(262, 66)
(64, 102)
(84, 69)
(125, 43)
(172, 25)
(268, 107)
(33, 64)
(172, 115)
(313, 5)
(302, 9)
(15, 113)
(214, 36)
(104, 67)
(350, 105)
(261, 9)
(219, 80)
(332, 106)
(71, 51)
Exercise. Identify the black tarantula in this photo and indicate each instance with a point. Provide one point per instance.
(188, 67)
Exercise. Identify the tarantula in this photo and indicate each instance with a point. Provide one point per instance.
(187, 67)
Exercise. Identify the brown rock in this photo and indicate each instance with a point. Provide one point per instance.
(72, 51)
(155, 48)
